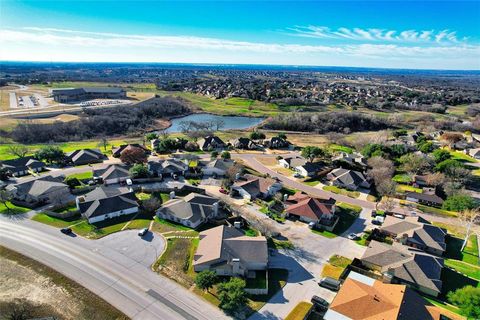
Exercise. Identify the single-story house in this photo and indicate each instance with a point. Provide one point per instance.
(191, 211)
(354, 158)
(276, 143)
(292, 162)
(309, 169)
(106, 203)
(348, 179)
(167, 168)
(228, 252)
(21, 166)
(416, 233)
(474, 153)
(429, 199)
(217, 167)
(111, 174)
(250, 187)
(244, 143)
(210, 143)
(308, 209)
(85, 156)
(417, 270)
(117, 152)
(46, 189)
(362, 297)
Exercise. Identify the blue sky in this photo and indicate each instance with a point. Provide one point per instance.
(408, 34)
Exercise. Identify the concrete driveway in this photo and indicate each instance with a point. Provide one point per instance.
(143, 250)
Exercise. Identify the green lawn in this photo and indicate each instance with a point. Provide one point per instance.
(403, 188)
(473, 271)
(442, 304)
(259, 282)
(161, 225)
(452, 280)
(436, 211)
(337, 190)
(460, 156)
(469, 254)
(87, 175)
(10, 208)
(402, 178)
(336, 147)
(68, 208)
(312, 182)
(347, 213)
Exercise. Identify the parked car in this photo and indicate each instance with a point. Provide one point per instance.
(320, 303)
(297, 175)
(330, 283)
(223, 191)
(143, 232)
(399, 215)
(311, 225)
(66, 230)
(352, 236)
(376, 222)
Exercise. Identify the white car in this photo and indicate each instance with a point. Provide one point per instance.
(352, 236)
(142, 232)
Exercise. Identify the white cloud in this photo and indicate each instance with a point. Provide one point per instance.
(71, 45)
(359, 34)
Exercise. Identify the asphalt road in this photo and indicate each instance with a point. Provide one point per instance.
(125, 283)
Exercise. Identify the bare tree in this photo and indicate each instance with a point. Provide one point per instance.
(151, 205)
(435, 179)
(468, 218)
(103, 143)
(219, 124)
(18, 150)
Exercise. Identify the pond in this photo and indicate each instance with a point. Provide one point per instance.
(231, 122)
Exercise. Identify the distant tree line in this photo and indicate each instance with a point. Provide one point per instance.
(101, 122)
(344, 122)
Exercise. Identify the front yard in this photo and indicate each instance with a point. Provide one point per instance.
(348, 214)
(345, 192)
(335, 266)
(10, 208)
(300, 311)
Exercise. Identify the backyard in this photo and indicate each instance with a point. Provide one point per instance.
(347, 214)
(10, 208)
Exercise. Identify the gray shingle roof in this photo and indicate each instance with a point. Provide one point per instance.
(193, 207)
(105, 200)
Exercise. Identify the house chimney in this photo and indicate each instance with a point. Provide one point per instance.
(236, 266)
(215, 209)
(237, 224)
(285, 197)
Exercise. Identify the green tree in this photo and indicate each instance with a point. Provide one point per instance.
(311, 153)
(373, 150)
(255, 135)
(5, 197)
(282, 136)
(151, 136)
(206, 279)
(214, 154)
(426, 147)
(399, 133)
(50, 154)
(139, 171)
(448, 165)
(467, 299)
(225, 155)
(72, 182)
(232, 294)
(459, 202)
(441, 155)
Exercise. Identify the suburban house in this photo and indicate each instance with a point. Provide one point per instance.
(426, 198)
(85, 156)
(276, 143)
(217, 167)
(46, 189)
(362, 297)
(210, 143)
(22, 166)
(292, 162)
(417, 233)
(308, 209)
(309, 169)
(228, 252)
(167, 168)
(348, 179)
(191, 211)
(244, 143)
(88, 93)
(399, 264)
(354, 158)
(111, 174)
(474, 153)
(106, 203)
(117, 152)
(250, 187)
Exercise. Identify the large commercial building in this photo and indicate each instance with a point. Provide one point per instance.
(89, 93)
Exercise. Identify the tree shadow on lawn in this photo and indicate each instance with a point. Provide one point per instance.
(452, 280)
(454, 246)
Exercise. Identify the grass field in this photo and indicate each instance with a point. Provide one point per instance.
(68, 146)
(337, 190)
(404, 188)
(336, 265)
(402, 178)
(10, 208)
(82, 175)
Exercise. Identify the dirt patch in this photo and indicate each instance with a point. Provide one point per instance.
(35, 290)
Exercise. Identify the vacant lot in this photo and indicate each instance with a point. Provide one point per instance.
(43, 292)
